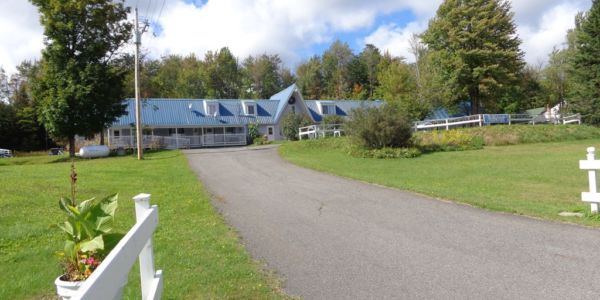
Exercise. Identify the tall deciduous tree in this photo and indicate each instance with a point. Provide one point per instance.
(335, 64)
(370, 57)
(79, 90)
(310, 78)
(476, 44)
(585, 96)
(262, 77)
(221, 74)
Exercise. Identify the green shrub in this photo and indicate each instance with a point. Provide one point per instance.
(379, 127)
(447, 140)
(333, 119)
(290, 124)
(253, 132)
(261, 140)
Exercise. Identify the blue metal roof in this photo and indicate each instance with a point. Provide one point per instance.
(190, 112)
(342, 107)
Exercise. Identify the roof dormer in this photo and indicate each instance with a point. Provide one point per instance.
(249, 107)
(211, 108)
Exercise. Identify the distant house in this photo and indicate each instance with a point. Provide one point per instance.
(179, 123)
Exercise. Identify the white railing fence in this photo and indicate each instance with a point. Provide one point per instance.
(316, 131)
(488, 119)
(591, 164)
(106, 281)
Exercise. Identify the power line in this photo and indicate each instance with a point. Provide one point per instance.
(148, 10)
(161, 10)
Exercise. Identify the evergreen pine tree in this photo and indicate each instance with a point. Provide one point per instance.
(585, 94)
(475, 43)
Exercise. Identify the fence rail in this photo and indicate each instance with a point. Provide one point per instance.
(316, 131)
(488, 119)
(179, 141)
(107, 280)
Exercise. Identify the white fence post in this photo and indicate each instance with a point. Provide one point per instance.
(591, 164)
(108, 280)
(146, 257)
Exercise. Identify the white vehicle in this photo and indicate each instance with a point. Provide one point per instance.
(5, 153)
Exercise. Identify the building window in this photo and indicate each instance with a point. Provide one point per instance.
(117, 133)
(251, 109)
(327, 108)
(270, 130)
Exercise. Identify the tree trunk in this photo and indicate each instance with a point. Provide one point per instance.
(102, 137)
(72, 146)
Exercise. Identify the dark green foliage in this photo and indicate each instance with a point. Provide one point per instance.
(335, 70)
(310, 78)
(20, 128)
(253, 132)
(290, 124)
(333, 119)
(262, 77)
(379, 127)
(222, 75)
(585, 95)
(8, 117)
(397, 85)
(78, 89)
(475, 44)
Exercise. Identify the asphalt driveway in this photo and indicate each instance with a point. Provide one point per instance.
(333, 238)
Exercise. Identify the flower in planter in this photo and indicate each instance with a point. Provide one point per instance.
(88, 229)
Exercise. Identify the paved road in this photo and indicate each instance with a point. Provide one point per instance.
(334, 238)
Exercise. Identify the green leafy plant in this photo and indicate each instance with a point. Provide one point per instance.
(291, 123)
(379, 127)
(253, 132)
(89, 232)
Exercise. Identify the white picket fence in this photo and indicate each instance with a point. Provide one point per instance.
(591, 164)
(106, 281)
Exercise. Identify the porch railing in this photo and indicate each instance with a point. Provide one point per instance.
(179, 141)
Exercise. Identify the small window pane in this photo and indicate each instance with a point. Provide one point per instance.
(117, 133)
(270, 130)
(250, 109)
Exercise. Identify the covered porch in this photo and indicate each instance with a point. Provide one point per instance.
(178, 138)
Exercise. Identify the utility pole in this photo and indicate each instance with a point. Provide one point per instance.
(138, 113)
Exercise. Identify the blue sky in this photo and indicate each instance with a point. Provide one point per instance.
(294, 29)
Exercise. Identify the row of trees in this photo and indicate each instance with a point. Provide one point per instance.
(470, 52)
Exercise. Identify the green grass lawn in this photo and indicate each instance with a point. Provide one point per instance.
(200, 256)
(539, 180)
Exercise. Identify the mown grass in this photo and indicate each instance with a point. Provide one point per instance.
(539, 180)
(200, 256)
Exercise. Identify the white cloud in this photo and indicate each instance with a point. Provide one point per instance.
(20, 33)
(541, 25)
(395, 39)
(549, 30)
(286, 27)
(254, 27)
